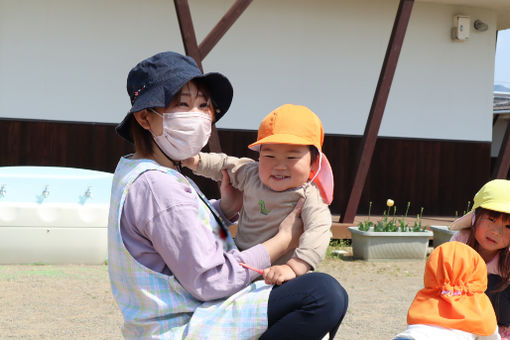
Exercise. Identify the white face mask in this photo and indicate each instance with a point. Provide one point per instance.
(184, 134)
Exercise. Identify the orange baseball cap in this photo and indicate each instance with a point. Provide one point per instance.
(298, 125)
(455, 281)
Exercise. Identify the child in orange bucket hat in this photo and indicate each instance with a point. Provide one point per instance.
(452, 305)
(291, 167)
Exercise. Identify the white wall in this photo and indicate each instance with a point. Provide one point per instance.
(68, 60)
(443, 89)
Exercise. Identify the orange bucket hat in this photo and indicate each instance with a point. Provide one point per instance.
(298, 125)
(455, 281)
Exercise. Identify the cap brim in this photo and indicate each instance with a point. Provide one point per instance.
(123, 129)
(280, 139)
(221, 92)
(463, 222)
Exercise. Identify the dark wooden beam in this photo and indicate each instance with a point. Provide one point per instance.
(503, 163)
(187, 31)
(377, 109)
(222, 26)
(198, 53)
(191, 48)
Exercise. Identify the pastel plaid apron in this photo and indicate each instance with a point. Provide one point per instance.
(156, 306)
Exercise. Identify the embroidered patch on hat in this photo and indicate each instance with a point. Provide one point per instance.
(136, 94)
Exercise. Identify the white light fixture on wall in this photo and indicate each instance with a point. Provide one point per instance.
(461, 27)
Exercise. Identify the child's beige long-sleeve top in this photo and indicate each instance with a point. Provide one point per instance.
(264, 209)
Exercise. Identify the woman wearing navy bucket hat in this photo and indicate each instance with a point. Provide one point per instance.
(173, 265)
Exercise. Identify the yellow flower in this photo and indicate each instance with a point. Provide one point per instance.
(390, 202)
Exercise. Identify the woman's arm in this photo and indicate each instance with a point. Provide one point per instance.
(198, 261)
(197, 258)
(288, 234)
(165, 213)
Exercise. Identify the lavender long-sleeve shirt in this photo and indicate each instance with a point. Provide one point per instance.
(161, 229)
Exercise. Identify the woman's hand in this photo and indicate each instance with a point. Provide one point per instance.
(292, 225)
(231, 198)
(288, 234)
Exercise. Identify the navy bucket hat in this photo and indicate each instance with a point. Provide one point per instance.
(156, 80)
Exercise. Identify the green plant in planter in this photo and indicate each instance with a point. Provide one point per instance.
(392, 224)
(417, 224)
(464, 212)
(365, 225)
(404, 226)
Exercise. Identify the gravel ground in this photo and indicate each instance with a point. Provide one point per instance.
(75, 301)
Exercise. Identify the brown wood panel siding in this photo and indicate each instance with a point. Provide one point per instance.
(441, 176)
(90, 146)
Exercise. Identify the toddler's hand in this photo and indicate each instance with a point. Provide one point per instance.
(191, 163)
(276, 275)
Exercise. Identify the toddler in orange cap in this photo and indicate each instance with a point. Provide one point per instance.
(453, 304)
(291, 167)
(487, 229)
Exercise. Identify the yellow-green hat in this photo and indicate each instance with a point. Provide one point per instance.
(494, 195)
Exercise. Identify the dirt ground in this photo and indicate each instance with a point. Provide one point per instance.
(75, 301)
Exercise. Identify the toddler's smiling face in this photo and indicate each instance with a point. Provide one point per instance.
(284, 166)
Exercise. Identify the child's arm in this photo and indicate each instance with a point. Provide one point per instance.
(191, 163)
(299, 266)
(211, 164)
(315, 239)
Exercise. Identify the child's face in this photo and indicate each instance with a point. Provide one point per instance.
(284, 166)
(493, 233)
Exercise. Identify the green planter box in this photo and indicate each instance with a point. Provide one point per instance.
(441, 234)
(370, 245)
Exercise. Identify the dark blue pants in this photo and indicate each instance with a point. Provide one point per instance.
(307, 307)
